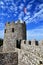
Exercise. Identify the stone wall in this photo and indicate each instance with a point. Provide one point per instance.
(10, 58)
(13, 32)
(30, 55)
(33, 43)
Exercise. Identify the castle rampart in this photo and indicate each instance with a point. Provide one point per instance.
(33, 43)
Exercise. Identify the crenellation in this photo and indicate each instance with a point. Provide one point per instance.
(27, 42)
(36, 43)
(12, 24)
(33, 42)
(41, 42)
(7, 24)
(30, 43)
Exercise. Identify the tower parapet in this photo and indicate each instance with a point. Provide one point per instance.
(35, 42)
(41, 42)
(13, 32)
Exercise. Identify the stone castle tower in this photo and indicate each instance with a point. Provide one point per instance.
(13, 33)
(30, 52)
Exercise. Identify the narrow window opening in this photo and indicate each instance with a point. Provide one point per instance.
(40, 62)
(36, 43)
(18, 44)
(29, 42)
(1, 42)
(12, 29)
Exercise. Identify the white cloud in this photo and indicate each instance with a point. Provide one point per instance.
(35, 33)
(1, 3)
(3, 14)
(12, 8)
(29, 6)
(20, 15)
(8, 0)
(27, 13)
(26, 17)
(24, 0)
(41, 6)
(21, 6)
(31, 1)
(15, 12)
(36, 18)
(38, 13)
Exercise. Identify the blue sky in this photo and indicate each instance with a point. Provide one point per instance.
(30, 11)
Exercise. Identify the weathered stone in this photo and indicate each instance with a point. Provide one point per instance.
(14, 32)
(10, 58)
(29, 57)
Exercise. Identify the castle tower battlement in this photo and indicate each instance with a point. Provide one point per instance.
(29, 52)
(13, 32)
(15, 37)
(30, 43)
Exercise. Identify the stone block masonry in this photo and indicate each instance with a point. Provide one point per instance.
(13, 32)
(10, 58)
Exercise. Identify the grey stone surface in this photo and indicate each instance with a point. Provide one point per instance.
(30, 55)
(10, 58)
(10, 37)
